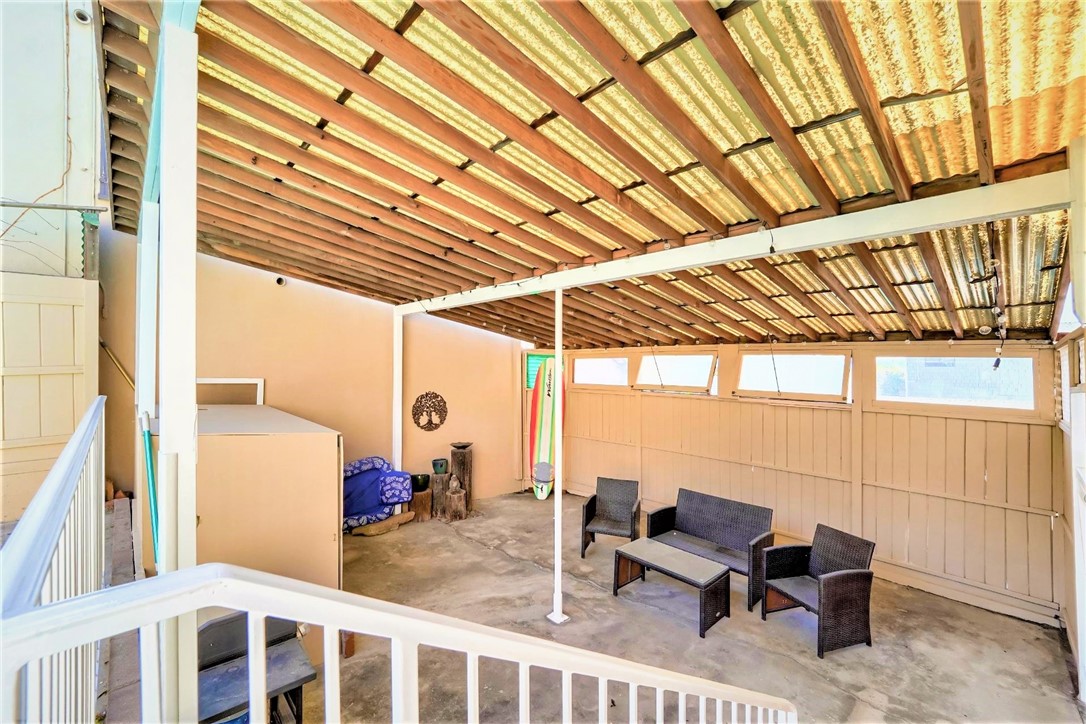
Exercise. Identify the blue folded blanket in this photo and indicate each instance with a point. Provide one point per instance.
(371, 491)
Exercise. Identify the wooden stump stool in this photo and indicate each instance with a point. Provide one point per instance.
(422, 505)
(456, 504)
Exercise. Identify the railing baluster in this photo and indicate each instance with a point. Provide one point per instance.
(405, 680)
(567, 697)
(150, 675)
(701, 710)
(719, 711)
(602, 687)
(524, 692)
(331, 674)
(473, 686)
(633, 703)
(735, 712)
(659, 705)
(258, 669)
(682, 708)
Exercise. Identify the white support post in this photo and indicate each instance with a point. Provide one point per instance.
(397, 389)
(177, 337)
(1076, 162)
(556, 615)
(146, 342)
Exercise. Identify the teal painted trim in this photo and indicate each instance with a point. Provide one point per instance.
(182, 14)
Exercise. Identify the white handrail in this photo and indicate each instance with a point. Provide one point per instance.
(29, 552)
(57, 553)
(33, 634)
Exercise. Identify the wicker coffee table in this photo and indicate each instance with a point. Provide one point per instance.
(712, 579)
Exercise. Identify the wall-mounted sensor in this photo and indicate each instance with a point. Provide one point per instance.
(280, 281)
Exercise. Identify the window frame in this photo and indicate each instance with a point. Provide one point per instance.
(842, 398)
(635, 370)
(595, 385)
(1043, 369)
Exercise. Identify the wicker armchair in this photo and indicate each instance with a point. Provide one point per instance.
(615, 509)
(831, 578)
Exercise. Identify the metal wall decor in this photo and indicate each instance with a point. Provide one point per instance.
(429, 411)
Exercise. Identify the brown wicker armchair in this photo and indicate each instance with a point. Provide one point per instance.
(615, 509)
(831, 578)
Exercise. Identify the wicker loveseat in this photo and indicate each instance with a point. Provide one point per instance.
(722, 530)
(831, 578)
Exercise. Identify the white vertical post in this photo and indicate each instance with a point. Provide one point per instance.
(1076, 162)
(405, 680)
(556, 615)
(397, 389)
(146, 343)
(331, 674)
(177, 337)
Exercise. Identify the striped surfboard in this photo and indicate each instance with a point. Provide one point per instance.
(542, 430)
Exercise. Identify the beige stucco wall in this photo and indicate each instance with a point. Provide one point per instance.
(325, 356)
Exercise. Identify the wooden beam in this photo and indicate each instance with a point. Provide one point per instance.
(925, 242)
(631, 299)
(543, 250)
(705, 22)
(137, 11)
(220, 212)
(758, 297)
(249, 258)
(507, 56)
(237, 211)
(734, 327)
(380, 37)
(752, 326)
(530, 307)
(229, 178)
(592, 35)
(617, 330)
(886, 286)
(847, 298)
(834, 19)
(125, 46)
(1063, 284)
(120, 79)
(648, 294)
(283, 85)
(610, 303)
(236, 129)
(777, 277)
(361, 85)
(265, 168)
(582, 304)
(309, 264)
(972, 30)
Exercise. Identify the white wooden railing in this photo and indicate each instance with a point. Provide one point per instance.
(41, 632)
(57, 553)
(56, 612)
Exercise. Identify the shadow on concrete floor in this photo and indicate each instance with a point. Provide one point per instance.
(933, 659)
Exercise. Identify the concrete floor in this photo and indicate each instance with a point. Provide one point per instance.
(933, 659)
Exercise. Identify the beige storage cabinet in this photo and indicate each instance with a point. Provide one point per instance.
(269, 492)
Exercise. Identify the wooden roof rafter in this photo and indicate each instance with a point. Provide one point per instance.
(499, 50)
(361, 85)
(972, 30)
(590, 33)
(705, 22)
(373, 33)
(930, 255)
(886, 286)
(846, 297)
(834, 21)
(704, 329)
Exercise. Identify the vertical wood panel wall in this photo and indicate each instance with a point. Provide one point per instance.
(960, 504)
(48, 376)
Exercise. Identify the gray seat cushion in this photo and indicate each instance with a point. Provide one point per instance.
(803, 589)
(733, 559)
(609, 526)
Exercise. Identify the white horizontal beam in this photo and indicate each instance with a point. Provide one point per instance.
(1022, 197)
